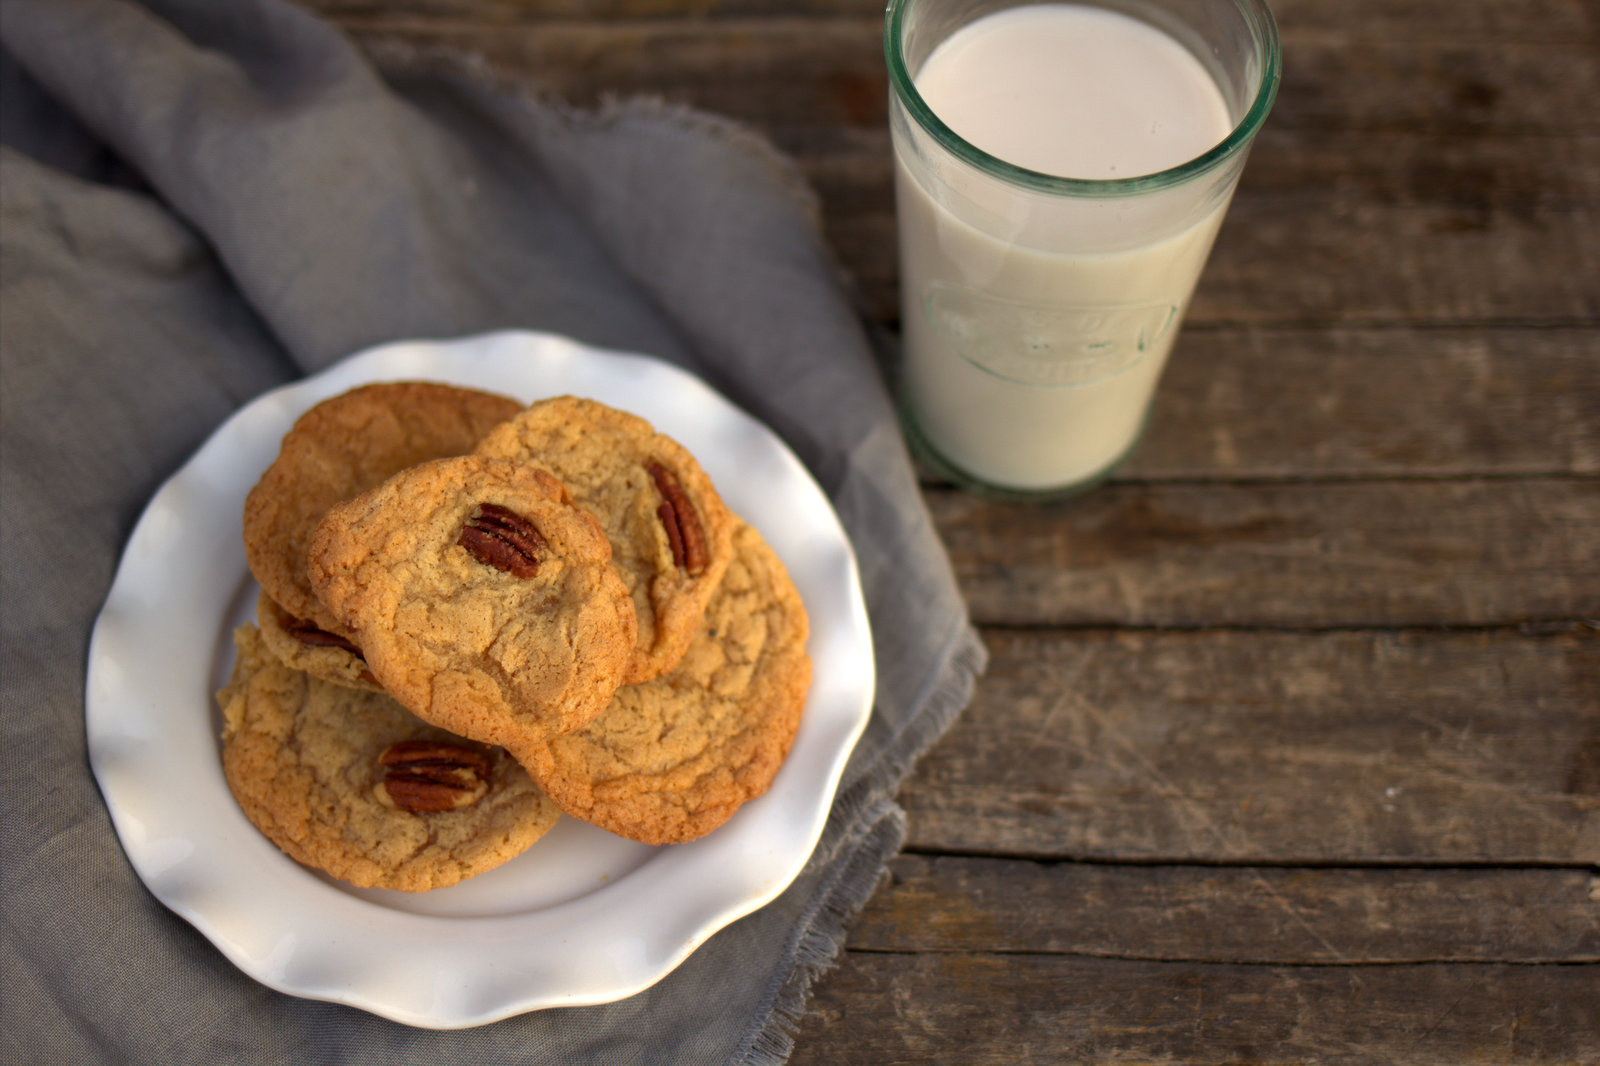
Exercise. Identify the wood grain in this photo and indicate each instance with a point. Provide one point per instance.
(1532, 21)
(1345, 403)
(976, 1009)
(1273, 747)
(1355, 251)
(1330, 553)
(1267, 915)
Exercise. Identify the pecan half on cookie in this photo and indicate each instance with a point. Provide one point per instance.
(306, 646)
(428, 776)
(685, 535)
(499, 537)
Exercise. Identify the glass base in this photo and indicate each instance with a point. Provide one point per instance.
(936, 462)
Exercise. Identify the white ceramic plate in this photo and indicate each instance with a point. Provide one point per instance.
(583, 916)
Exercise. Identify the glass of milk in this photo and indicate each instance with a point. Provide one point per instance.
(1061, 170)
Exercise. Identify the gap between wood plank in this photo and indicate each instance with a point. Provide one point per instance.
(1395, 866)
(934, 484)
(1531, 628)
(1179, 960)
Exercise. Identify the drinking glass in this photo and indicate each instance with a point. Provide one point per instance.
(1038, 310)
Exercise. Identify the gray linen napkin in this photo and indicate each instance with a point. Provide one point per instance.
(200, 200)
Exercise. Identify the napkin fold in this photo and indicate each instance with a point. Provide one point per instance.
(200, 200)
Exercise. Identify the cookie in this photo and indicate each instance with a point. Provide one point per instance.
(670, 532)
(300, 645)
(350, 783)
(672, 759)
(482, 598)
(340, 448)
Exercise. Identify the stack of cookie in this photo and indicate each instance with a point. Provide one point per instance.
(477, 615)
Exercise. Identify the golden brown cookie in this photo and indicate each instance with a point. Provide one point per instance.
(672, 759)
(483, 599)
(339, 448)
(350, 783)
(671, 534)
(300, 645)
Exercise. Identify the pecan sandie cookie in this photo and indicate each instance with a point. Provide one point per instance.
(339, 448)
(481, 596)
(672, 759)
(351, 783)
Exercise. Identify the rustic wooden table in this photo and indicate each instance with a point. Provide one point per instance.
(1289, 751)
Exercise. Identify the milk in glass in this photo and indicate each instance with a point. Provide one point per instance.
(1036, 325)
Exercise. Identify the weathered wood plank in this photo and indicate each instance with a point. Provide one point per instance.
(1267, 403)
(1380, 20)
(1346, 228)
(1260, 403)
(1440, 87)
(829, 73)
(1510, 169)
(1279, 262)
(1342, 227)
(1415, 20)
(1476, 177)
(1519, 174)
(1281, 265)
(1357, 265)
(1232, 914)
(1391, 553)
(1411, 748)
(1001, 1010)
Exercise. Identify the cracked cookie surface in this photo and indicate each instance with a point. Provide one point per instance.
(340, 448)
(673, 758)
(305, 759)
(670, 532)
(483, 599)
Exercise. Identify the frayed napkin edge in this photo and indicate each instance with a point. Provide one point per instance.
(820, 937)
(871, 828)
(391, 57)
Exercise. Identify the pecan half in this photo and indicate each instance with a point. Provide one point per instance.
(503, 539)
(428, 776)
(309, 633)
(682, 523)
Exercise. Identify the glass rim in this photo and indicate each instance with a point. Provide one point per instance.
(1262, 26)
